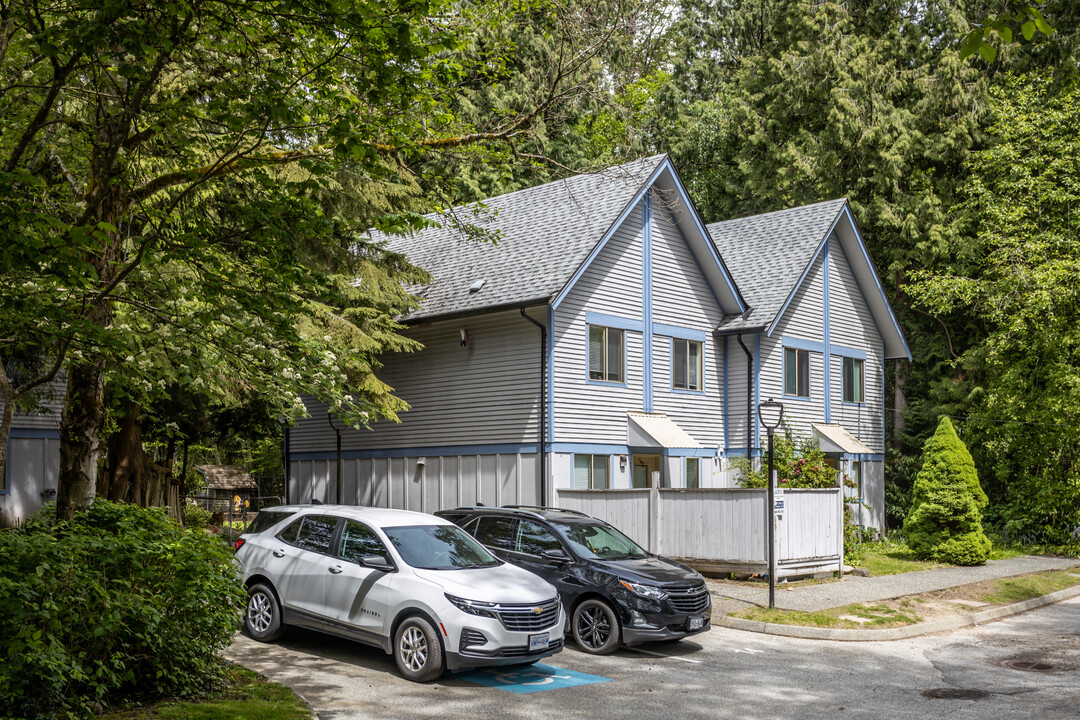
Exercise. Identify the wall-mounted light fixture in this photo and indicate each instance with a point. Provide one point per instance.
(622, 463)
(464, 337)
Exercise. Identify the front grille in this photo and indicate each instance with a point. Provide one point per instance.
(529, 617)
(688, 599)
(472, 637)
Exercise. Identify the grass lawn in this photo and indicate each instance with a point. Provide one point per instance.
(891, 557)
(248, 697)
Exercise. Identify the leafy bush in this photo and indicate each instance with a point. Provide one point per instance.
(195, 516)
(118, 601)
(945, 521)
(799, 463)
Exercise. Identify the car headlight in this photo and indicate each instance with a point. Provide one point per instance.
(473, 607)
(648, 591)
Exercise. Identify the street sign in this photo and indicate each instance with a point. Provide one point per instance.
(778, 502)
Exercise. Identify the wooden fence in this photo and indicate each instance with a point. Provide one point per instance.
(724, 529)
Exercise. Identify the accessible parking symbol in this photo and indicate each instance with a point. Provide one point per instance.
(531, 678)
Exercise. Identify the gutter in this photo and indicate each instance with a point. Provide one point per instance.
(541, 449)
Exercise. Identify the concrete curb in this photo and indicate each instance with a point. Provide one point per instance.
(897, 633)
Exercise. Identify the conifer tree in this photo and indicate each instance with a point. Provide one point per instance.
(945, 521)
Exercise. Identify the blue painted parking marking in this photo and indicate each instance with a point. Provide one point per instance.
(532, 678)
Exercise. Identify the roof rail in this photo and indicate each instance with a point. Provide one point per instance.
(552, 509)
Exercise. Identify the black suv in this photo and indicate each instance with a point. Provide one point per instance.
(613, 590)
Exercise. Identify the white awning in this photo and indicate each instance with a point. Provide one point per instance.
(835, 439)
(656, 430)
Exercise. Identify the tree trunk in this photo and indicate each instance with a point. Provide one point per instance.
(899, 401)
(81, 423)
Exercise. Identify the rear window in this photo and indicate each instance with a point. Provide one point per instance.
(311, 532)
(267, 519)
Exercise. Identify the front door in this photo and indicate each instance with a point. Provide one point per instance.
(647, 471)
(358, 596)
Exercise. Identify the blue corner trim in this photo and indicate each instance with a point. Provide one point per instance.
(630, 206)
(39, 433)
(827, 391)
(646, 288)
(680, 332)
(615, 321)
(800, 344)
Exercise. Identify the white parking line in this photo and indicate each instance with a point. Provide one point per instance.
(666, 657)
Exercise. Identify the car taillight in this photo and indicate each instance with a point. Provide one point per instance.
(239, 543)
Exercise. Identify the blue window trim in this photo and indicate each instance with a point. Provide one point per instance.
(849, 402)
(801, 344)
(614, 321)
(625, 364)
(671, 368)
(847, 352)
(682, 333)
(590, 449)
(809, 371)
(686, 472)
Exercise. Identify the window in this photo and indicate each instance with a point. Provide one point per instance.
(497, 532)
(856, 479)
(606, 354)
(591, 472)
(853, 380)
(693, 473)
(358, 542)
(312, 532)
(796, 372)
(534, 538)
(686, 364)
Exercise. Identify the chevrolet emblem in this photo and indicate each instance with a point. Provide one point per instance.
(538, 610)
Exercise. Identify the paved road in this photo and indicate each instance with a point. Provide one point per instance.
(730, 597)
(722, 674)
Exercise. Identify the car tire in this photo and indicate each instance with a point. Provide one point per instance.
(418, 650)
(595, 627)
(262, 616)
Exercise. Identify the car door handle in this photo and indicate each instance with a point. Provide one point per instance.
(279, 553)
(335, 569)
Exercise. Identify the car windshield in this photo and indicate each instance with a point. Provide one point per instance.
(439, 547)
(599, 541)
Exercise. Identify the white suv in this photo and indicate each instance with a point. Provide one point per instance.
(413, 584)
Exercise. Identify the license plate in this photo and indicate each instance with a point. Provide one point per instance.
(696, 623)
(538, 642)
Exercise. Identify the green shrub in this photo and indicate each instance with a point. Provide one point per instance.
(945, 520)
(118, 601)
(195, 516)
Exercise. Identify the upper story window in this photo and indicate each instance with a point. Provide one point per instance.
(606, 357)
(796, 372)
(592, 472)
(686, 364)
(853, 380)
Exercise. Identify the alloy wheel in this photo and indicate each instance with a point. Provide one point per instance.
(414, 649)
(260, 612)
(593, 627)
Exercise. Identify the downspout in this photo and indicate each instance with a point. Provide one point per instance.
(749, 397)
(543, 404)
(337, 493)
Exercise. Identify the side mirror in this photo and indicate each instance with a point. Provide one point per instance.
(557, 555)
(377, 562)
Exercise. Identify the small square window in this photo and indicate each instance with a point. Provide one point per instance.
(796, 372)
(686, 364)
(853, 377)
(606, 354)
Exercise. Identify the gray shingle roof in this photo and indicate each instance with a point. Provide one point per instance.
(545, 234)
(768, 253)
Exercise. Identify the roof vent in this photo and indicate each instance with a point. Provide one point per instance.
(475, 287)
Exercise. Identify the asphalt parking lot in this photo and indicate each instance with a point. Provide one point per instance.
(720, 674)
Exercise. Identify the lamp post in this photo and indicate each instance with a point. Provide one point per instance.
(771, 408)
(337, 498)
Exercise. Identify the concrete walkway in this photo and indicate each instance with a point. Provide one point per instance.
(731, 597)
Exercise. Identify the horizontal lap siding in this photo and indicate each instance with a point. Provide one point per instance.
(610, 285)
(484, 393)
(804, 319)
(737, 374)
(683, 298)
(48, 418)
(852, 325)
